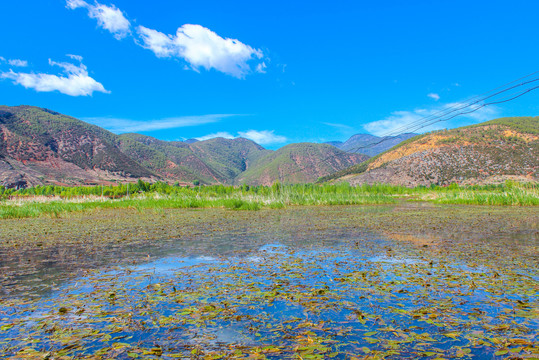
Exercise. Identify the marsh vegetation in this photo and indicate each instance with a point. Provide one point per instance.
(58, 200)
(394, 281)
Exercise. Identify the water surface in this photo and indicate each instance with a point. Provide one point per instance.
(346, 282)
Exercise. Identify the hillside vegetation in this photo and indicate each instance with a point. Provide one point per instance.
(299, 163)
(492, 151)
(40, 147)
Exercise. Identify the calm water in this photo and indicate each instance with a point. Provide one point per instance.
(305, 283)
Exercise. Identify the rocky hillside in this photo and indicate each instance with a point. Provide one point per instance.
(370, 144)
(297, 163)
(489, 152)
(39, 146)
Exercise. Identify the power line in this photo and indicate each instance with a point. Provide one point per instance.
(429, 120)
(490, 103)
(469, 101)
(450, 110)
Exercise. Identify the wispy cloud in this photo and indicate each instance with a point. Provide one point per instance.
(14, 62)
(434, 96)
(75, 57)
(196, 45)
(18, 63)
(261, 67)
(406, 121)
(339, 126)
(220, 134)
(74, 81)
(120, 126)
(262, 137)
(108, 17)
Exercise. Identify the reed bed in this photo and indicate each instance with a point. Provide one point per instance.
(510, 197)
(57, 200)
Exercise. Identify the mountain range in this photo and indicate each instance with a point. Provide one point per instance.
(39, 146)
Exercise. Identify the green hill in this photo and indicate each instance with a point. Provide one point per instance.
(229, 157)
(296, 163)
(173, 160)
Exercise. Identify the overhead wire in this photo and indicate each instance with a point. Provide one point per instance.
(467, 102)
(429, 120)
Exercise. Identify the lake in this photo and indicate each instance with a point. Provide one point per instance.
(404, 281)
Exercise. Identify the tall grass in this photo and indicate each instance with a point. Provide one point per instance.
(515, 195)
(126, 190)
(21, 207)
(55, 201)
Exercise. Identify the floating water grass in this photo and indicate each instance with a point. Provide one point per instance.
(334, 287)
(327, 303)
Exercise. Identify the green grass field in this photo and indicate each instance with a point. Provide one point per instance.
(57, 200)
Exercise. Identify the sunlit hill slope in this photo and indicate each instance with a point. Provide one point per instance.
(490, 152)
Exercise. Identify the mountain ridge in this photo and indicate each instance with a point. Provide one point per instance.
(40, 146)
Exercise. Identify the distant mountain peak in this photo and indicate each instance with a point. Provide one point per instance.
(369, 144)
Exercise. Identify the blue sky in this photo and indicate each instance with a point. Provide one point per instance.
(276, 72)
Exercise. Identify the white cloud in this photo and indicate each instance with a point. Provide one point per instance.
(264, 137)
(202, 48)
(121, 126)
(73, 4)
(409, 121)
(198, 46)
(18, 63)
(108, 17)
(220, 134)
(162, 45)
(75, 57)
(434, 96)
(14, 62)
(261, 68)
(75, 82)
